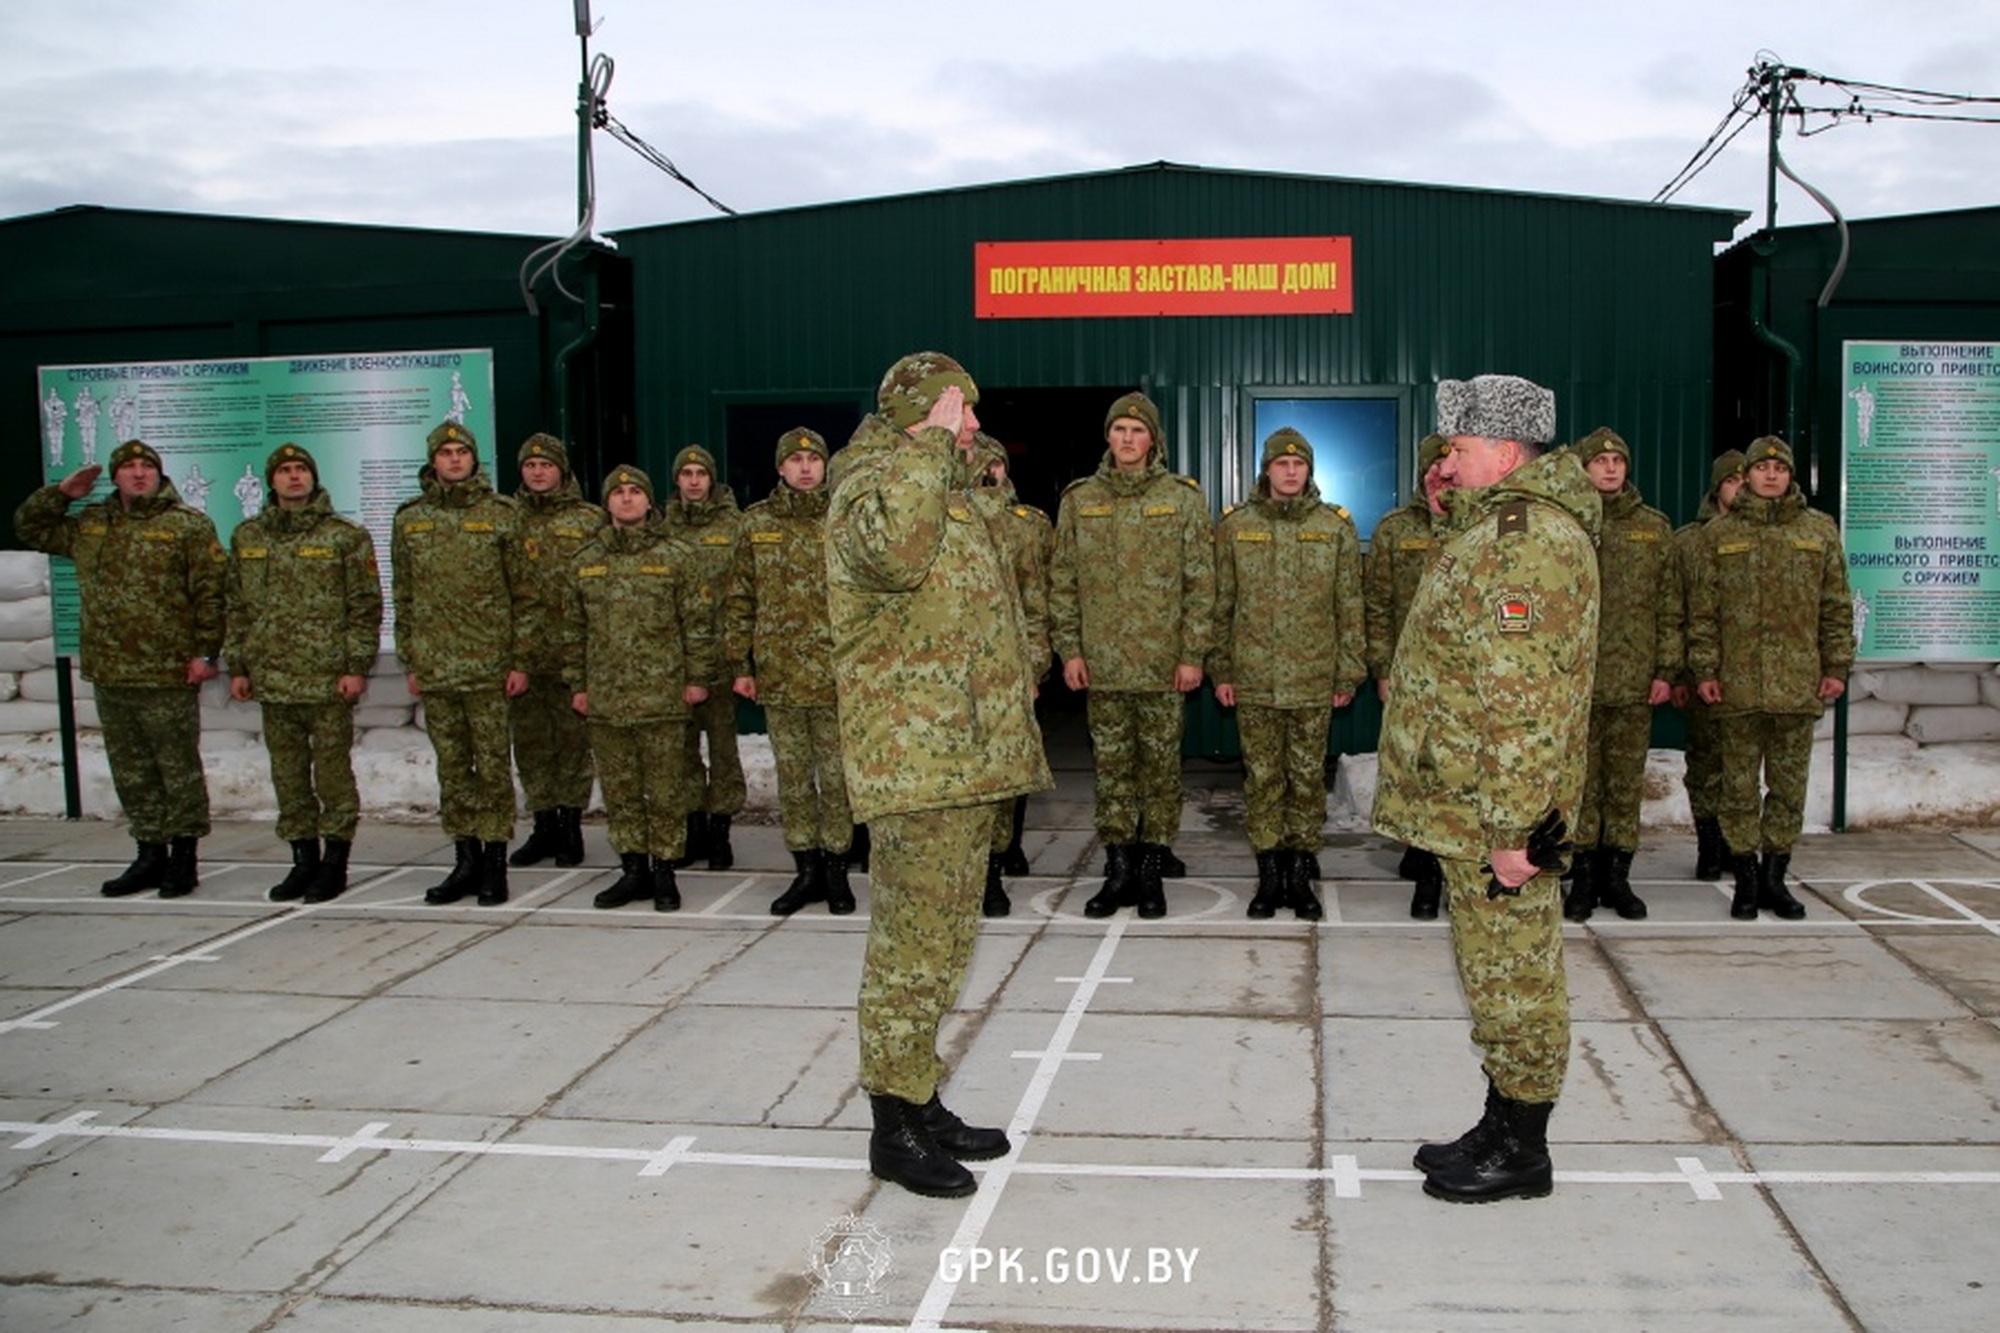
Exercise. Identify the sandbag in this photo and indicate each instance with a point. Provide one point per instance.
(1945, 725)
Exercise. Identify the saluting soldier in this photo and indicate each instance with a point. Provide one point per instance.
(551, 743)
(1288, 651)
(640, 641)
(1132, 606)
(1703, 779)
(151, 577)
(460, 600)
(305, 622)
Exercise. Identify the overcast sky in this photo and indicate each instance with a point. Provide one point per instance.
(461, 113)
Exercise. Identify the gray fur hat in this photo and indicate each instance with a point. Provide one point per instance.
(1499, 407)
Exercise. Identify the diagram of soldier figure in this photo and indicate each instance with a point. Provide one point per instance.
(194, 488)
(86, 424)
(125, 414)
(1864, 413)
(250, 492)
(461, 401)
(1860, 618)
(54, 416)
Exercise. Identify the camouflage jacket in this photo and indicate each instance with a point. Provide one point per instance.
(305, 602)
(1639, 623)
(639, 627)
(1132, 586)
(936, 695)
(710, 528)
(553, 528)
(151, 579)
(776, 617)
(1687, 545)
(1769, 611)
(1397, 552)
(1029, 541)
(1287, 602)
(1485, 729)
(455, 577)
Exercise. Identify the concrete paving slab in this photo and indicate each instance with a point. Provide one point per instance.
(592, 963)
(1776, 978)
(1216, 974)
(48, 949)
(1928, 900)
(127, 1310)
(1875, 853)
(1960, 961)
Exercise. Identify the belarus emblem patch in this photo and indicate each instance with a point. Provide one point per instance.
(1514, 615)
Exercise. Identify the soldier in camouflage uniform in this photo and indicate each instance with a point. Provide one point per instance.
(1029, 540)
(460, 597)
(640, 642)
(1397, 552)
(1484, 740)
(1289, 647)
(1704, 753)
(1131, 608)
(1638, 655)
(551, 743)
(1770, 639)
(151, 575)
(932, 656)
(703, 514)
(305, 622)
(779, 648)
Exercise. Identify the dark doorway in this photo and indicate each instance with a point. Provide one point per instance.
(1053, 436)
(750, 464)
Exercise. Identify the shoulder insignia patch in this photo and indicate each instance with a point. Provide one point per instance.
(1731, 548)
(766, 538)
(1513, 519)
(1161, 511)
(1093, 511)
(1310, 536)
(1254, 535)
(1643, 535)
(717, 539)
(1513, 615)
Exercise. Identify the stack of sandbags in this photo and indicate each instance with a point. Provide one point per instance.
(1949, 704)
(27, 644)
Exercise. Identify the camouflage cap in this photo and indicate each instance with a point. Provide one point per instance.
(627, 475)
(1285, 442)
(698, 456)
(1726, 465)
(801, 438)
(1433, 447)
(289, 453)
(914, 383)
(986, 451)
(1603, 440)
(1765, 448)
(540, 445)
(1141, 409)
(1497, 407)
(130, 452)
(452, 432)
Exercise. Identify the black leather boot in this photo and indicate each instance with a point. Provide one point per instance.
(666, 890)
(305, 869)
(902, 1152)
(331, 881)
(1296, 866)
(1171, 866)
(1152, 903)
(966, 1143)
(1614, 884)
(1772, 895)
(1412, 864)
(543, 841)
(807, 886)
(492, 875)
(144, 873)
(1426, 897)
(996, 902)
(464, 876)
(1585, 869)
(1743, 906)
(1120, 881)
(1512, 1163)
(1269, 895)
(1014, 861)
(858, 849)
(839, 894)
(696, 846)
(721, 856)
(1710, 852)
(1310, 860)
(569, 828)
(635, 884)
(184, 872)
(1437, 1156)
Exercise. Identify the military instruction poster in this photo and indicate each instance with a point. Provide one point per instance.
(364, 417)
(1920, 510)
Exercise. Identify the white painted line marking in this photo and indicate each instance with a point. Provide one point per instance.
(1699, 1180)
(1059, 1055)
(30, 879)
(369, 1136)
(664, 1160)
(729, 895)
(59, 1129)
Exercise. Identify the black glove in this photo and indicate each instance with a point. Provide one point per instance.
(1548, 847)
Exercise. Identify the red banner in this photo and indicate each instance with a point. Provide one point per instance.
(1252, 275)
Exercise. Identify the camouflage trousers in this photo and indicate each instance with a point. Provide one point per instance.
(1766, 759)
(1135, 738)
(1704, 761)
(551, 745)
(153, 739)
(1284, 775)
(312, 770)
(717, 788)
(1003, 826)
(812, 789)
(1614, 777)
(468, 731)
(1510, 966)
(645, 786)
(927, 874)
